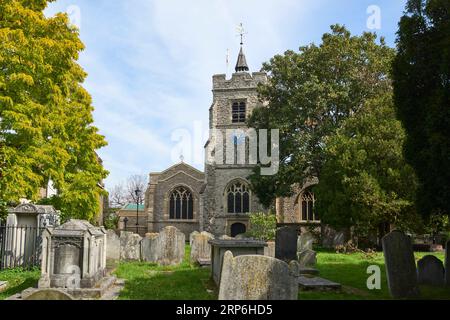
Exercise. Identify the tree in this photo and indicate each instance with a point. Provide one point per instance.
(421, 80)
(120, 195)
(45, 113)
(309, 95)
(365, 182)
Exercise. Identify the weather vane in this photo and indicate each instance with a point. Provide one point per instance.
(241, 32)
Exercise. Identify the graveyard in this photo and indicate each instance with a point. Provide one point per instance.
(138, 163)
(150, 281)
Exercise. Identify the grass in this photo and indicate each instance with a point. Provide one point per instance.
(148, 281)
(18, 280)
(351, 271)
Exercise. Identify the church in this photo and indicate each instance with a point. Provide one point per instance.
(220, 199)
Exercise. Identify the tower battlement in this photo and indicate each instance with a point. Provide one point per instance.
(239, 80)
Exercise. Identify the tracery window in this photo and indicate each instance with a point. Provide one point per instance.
(181, 204)
(306, 204)
(238, 198)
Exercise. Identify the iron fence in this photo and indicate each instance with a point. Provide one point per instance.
(20, 246)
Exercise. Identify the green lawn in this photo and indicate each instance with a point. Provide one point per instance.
(18, 280)
(146, 281)
(149, 281)
(350, 270)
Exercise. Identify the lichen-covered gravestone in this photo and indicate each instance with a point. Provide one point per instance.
(286, 244)
(191, 236)
(130, 246)
(149, 247)
(270, 249)
(112, 245)
(400, 265)
(164, 248)
(430, 271)
(307, 259)
(305, 241)
(447, 263)
(257, 277)
(200, 248)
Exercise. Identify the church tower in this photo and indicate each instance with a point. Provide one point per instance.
(227, 199)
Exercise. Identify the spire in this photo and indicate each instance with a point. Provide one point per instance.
(241, 64)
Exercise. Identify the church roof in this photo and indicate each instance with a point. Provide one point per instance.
(241, 64)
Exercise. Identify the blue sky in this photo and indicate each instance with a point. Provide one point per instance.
(150, 62)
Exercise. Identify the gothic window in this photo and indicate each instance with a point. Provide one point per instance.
(181, 204)
(238, 198)
(238, 112)
(307, 212)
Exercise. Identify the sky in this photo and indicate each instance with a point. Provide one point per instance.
(150, 63)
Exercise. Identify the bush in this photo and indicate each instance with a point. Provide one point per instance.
(262, 226)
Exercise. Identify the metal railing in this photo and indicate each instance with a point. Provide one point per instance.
(20, 246)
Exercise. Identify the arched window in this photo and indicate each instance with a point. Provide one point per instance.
(306, 204)
(238, 198)
(181, 204)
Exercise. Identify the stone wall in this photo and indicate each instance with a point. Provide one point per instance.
(158, 195)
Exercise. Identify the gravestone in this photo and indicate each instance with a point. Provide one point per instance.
(191, 236)
(130, 247)
(170, 243)
(447, 263)
(286, 244)
(200, 248)
(305, 241)
(237, 247)
(258, 277)
(400, 265)
(270, 249)
(164, 248)
(307, 259)
(73, 255)
(112, 245)
(149, 247)
(430, 271)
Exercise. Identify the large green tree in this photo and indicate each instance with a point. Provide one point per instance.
(309, 94)
(45, 113)
(365, 182)
(421, 79)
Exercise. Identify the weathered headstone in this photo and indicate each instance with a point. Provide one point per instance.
(237, 247)
(130, 248)
(307, 259)
(286, 244)
(200, 248)
(149, 247)
(73, 255)
(400, 265)
(170, 244)
(305, 241)
(191, 236)
(430, 271)
(447, 263)
(112, 245)
(257, 277)
(270, 249)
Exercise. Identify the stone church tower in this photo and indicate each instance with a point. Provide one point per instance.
(227, 198)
